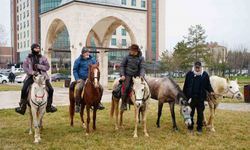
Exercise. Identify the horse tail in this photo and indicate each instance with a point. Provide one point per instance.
(72, 102)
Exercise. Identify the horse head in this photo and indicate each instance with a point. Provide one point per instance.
(140, 90)
(94, 74)
(185, 108)
(233, 89)
(38, 89)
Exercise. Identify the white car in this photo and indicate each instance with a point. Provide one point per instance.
(3, 79)
(114, 76)
(20, 78)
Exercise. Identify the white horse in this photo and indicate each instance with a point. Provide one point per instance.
(139, 98)
(38, 101)
(222, 88)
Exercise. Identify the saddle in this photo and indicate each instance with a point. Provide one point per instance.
(117, 92)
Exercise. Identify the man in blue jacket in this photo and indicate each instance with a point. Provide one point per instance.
(80, 72)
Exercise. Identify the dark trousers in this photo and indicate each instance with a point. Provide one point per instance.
(197, 104)
(28, 82)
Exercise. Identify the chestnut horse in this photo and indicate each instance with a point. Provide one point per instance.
(90, 97)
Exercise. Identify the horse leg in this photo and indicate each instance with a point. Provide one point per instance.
(81, 114)
(171, 104)
(136, 121)
(116, 107)
(211, 108)
(88, 119)
(72, 110)
(40, 118)
(35, 123)
(121, 118)
(31, 121)
(144, 120)
(94, 118)
(160, 105)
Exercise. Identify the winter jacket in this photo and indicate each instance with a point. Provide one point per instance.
(80, 69)
(204, 86)
(43, 66)
(133, 66)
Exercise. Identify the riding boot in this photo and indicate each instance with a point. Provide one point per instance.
(49, 107)
(100, 106)
(22, 108)
(77, 108)
(124, 103)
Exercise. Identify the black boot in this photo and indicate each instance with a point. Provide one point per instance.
(124, 103)
(77, 108)
(22, 108)
(49, 107)
(100, 106)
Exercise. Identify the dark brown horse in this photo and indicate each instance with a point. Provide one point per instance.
(90, 97)
(166, 90)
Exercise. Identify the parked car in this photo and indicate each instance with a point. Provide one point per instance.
(3, 79)
(19, 70)
(114, 76)
(20, 78)
(58, 77)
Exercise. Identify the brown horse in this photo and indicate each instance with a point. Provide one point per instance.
(139, 98)
(90, 97)
(166, 90)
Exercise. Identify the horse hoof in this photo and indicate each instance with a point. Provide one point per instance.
(86, 134)
(146, 134)
(116, 128)
(175, 129)
(212, 130)
(84, 126)
(30, 132)
(135, 136)
(36, 141)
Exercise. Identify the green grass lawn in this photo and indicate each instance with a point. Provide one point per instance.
(232, 132)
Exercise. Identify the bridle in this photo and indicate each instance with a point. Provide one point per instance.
(144, 94)
(233, 93)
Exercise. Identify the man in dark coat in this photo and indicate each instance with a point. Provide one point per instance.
(35, 63)
(131, 66)
(80, 72)
(196, 85)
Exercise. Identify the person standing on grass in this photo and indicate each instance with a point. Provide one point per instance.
(196, 84)
(33, 65)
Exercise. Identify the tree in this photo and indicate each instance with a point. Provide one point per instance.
(181, 56)
(3, 36)
(196, 42)
(166, 61)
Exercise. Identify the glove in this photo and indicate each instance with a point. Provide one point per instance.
(35, 67)
(79, 80)
(35, 73)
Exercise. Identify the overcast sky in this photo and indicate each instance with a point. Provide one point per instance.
(225, 21)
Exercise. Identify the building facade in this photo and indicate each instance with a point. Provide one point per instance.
(25, 26)
(6, 56)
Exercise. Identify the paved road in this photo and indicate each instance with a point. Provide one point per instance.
(10, 99)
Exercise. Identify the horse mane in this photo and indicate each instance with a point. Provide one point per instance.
(180, 92)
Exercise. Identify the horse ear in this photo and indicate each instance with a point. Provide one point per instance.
(190, 100)
(227, 80)
(97, 64)
(236, 80)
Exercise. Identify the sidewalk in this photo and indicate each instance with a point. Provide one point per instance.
(10, 99)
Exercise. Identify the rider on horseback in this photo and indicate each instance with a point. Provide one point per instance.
(80, 71)
(35, 63)
(131, 66)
